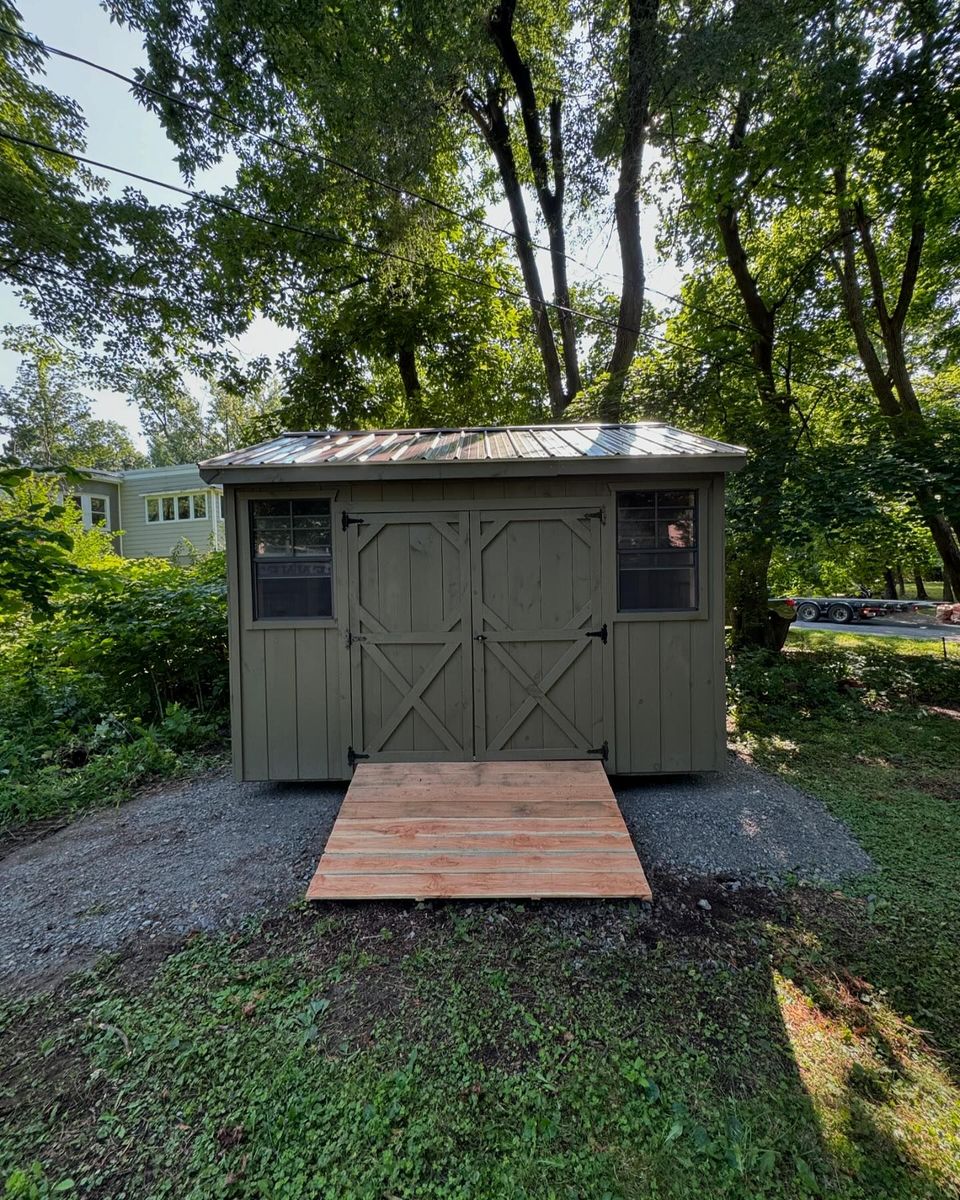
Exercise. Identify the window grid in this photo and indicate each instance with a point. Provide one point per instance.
(292, 559)
(657, 551)
(181, 506)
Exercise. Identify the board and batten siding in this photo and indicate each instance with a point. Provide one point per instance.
(143, 539)
(663, 674)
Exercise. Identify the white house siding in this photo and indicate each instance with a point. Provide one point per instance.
(143, 539)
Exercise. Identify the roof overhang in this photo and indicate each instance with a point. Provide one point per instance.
(330, 473)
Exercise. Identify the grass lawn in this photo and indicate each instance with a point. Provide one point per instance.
(804, 1043)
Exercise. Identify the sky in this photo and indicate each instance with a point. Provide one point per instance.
(120, 131)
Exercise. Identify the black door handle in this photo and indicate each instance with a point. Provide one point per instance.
(479, 637)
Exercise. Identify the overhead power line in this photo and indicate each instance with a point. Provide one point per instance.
(282, 144)
(306, 231)
(325, 159)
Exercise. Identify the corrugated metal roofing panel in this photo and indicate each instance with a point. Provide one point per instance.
(505, 443)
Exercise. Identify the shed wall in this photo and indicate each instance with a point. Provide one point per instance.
(663, 674)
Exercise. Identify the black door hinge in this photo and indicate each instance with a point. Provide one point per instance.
(595, 515)
(601, 633)
(346, 520)
(353, 757)
(354, 637)
(603, 751)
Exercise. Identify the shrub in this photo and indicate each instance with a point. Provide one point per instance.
(127, 675)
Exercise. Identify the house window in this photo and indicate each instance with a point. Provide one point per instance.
(657, 551)
(220, 505)
(292, 558)
(98, 512)
(191, 506)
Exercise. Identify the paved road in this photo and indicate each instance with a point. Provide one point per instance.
(926, 632)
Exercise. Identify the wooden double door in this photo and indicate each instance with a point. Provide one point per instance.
(476, 634)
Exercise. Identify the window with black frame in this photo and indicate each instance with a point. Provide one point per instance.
(657, 550)
(292, 556)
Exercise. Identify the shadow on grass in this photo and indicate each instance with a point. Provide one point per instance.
(487, 1050)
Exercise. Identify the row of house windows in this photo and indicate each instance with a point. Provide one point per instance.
(191, 506)
(657, 554)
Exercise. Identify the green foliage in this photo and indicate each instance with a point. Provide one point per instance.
(126, 679)
(47, 419)
(36, 536)
(836, 677)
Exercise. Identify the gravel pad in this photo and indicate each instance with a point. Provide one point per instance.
(189, 856)
(743, 824)
(205, 854)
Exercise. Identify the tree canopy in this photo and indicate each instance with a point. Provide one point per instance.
(807, 173)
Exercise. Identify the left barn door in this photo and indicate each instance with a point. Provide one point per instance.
(409, 636)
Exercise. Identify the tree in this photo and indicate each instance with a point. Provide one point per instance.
(895, 185)
(105, 275)
(554, 96)
(48, 421)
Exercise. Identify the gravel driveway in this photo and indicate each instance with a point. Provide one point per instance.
(207, 853)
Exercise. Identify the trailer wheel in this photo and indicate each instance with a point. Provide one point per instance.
(841, 614)
(808, 611)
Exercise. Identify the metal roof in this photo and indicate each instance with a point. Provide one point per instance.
(363, 449)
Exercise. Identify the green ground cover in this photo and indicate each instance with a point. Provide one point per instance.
(803, 1043)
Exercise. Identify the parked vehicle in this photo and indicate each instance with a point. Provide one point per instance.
(846, 610)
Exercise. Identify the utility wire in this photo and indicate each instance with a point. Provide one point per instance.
(281, 144)
(307, 231)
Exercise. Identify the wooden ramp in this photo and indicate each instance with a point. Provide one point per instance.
(478, 829)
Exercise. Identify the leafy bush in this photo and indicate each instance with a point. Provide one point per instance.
(764, 689)
(125, 677)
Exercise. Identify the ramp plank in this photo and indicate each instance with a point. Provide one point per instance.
(474, 830)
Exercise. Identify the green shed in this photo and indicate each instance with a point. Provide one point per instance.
(534, 592)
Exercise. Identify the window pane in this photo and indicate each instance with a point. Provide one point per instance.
(657, 550)
(183, 508)
(294, 589)
(311, 508)
(658, 589)
(220, 505)
(292, 558)
(167, 508)
(98, 510)
(676, 530)
(270, 508)
(274, 543)
(653, 559)
(199, 505)
(153, 509)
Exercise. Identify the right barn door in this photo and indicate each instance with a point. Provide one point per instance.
(538, 639)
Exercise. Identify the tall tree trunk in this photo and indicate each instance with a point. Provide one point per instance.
(641, 49)
(919, 584)
(412, 388)
(949, 593)
(901, 582)
(490, 117)
(890, 380)
(771, 441)
(549, 178)
(889, 584)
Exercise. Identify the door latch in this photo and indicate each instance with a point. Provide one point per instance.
(354, 637)
(479, 637)
(346, 521)
(601, 633)
(353, 757)
(595, 515)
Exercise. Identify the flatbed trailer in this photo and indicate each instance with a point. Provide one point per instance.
(847, 610)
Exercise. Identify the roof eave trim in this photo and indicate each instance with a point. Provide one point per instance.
(678, 464)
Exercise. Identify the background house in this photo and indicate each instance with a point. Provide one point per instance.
(153, 509)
